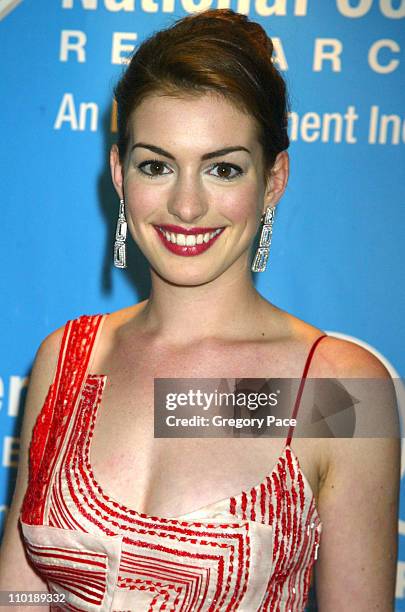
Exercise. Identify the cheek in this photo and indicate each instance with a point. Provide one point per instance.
(240, 205)
(141, 199)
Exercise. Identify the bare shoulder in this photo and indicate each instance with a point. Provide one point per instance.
(40, 379)
(337, 357)
(47, 355)
(365, 378)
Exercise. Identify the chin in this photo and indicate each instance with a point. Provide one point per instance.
(185, 278)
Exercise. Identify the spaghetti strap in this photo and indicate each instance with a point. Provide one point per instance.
(301, 387)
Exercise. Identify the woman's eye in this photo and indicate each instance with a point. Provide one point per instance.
(155, 168)
(225, 171)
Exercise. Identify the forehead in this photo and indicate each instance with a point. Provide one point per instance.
(203, 121)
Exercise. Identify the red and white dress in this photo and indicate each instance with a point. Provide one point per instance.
(252, 552)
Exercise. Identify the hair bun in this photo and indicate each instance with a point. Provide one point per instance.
(216, 50)
(260, 38)
(254, 30)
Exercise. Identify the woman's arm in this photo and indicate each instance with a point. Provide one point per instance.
(15, 571)
(358, 503)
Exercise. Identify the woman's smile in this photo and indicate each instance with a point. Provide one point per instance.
(187, 242)
(194, 187)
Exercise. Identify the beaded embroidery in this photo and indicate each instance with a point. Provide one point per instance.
(253, 552)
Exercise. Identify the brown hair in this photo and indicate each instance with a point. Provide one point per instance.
(216, 50)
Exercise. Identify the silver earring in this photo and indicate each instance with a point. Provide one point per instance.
(262, 253)
(120, 237)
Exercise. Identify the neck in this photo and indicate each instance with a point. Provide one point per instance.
(226, 308)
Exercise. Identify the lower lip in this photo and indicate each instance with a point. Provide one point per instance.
(186, 251)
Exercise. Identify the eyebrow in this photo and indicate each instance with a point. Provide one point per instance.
(160, 151)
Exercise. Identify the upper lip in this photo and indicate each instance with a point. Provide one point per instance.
(187, 231)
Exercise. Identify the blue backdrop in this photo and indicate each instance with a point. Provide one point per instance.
(338, 249)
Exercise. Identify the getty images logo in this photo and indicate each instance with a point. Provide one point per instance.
(6, 6)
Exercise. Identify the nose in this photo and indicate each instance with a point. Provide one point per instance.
(188, 201)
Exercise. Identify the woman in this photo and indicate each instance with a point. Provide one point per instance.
(116, 519)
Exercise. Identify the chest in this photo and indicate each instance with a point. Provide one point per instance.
(173, 476)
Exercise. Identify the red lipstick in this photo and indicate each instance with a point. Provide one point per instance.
(187, 250)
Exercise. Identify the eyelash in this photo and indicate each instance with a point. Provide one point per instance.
(158, 161)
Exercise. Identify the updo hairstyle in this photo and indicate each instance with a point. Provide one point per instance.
(216, 50)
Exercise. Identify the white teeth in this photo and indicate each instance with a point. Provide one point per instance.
(189, 239)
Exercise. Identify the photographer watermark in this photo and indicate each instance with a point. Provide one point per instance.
(322, 407)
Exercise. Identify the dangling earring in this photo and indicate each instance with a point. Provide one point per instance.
(120, 237)
(262, 253)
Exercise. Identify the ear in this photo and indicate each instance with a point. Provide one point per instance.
(277, 180)
(117, 173)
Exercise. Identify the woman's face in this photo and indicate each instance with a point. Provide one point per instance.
(194, 164)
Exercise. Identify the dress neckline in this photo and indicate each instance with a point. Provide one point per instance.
(223, 502)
